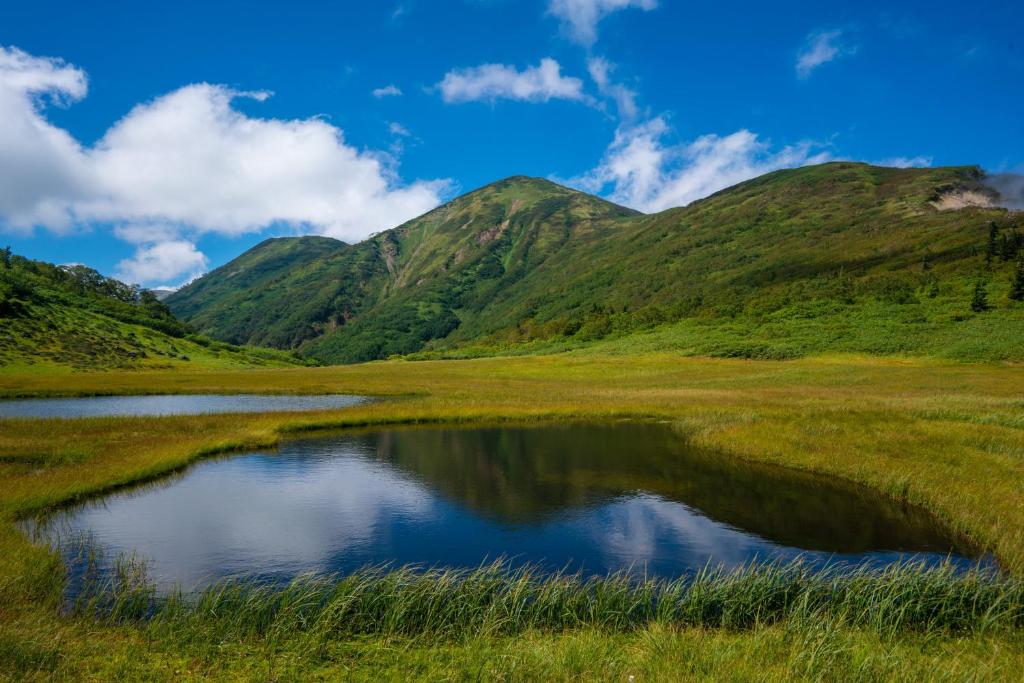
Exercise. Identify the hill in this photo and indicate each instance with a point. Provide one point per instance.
(402, 288)
(841, 256)
(59, 316)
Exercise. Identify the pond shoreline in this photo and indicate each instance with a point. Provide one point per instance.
(618, 496)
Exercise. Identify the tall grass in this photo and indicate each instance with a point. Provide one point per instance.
(497, 600)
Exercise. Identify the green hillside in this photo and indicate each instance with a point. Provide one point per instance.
(841, 256)
(71, 316)
(402, 288)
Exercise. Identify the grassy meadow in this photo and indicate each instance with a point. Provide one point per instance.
(945, 435)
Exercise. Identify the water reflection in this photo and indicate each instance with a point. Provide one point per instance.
(598, 498)
(183, 404)
(521, 475)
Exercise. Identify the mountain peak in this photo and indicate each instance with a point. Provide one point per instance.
(518, 184)
(522, 191)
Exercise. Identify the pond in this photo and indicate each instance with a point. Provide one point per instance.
(594, 498)
(178, 404)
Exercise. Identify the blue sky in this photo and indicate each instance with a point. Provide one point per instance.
(157, 142)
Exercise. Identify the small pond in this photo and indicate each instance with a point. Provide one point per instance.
(584, 497)
(178, 404)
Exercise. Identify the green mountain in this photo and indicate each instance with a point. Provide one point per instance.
(402, 288)
(279, 293)
(59, 316)
(841, 256)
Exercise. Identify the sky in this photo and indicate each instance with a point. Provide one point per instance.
(159, 141)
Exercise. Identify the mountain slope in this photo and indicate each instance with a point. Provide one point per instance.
(394, 292)
(527, 261)
(60, 316)
(278, 293)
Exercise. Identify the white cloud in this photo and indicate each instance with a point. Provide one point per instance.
(600, 71)
(143, 233)
(398, 129)
(163, 262)
(821, 47)
(387, 91)
(905, 162)
(581, 17)
(190, 158)
(187, 163)
(41, 166)
(41, 75)
(490, 82)
(642, 171)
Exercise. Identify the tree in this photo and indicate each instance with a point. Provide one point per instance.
(993, 243)
(979, 301)
(1013, 244)
(1017, 284)
(5, 256)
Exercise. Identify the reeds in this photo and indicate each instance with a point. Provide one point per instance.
(497, 599)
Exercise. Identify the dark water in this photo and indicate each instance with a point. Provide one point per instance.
(596, 498)
(184, 404)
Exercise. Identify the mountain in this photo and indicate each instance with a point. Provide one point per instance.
(870, 259)
(73, 316)
(278, 294)
(401, 288)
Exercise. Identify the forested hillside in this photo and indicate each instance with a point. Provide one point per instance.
(73, 316)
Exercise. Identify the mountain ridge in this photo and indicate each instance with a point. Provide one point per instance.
(523, 259)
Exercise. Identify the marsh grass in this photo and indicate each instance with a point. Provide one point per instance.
(500, 600)
(944, 436)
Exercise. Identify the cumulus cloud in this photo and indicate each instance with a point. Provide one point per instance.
(387, 91)
(642, 170)
(187, 163)
(191, 158)
(163, 262)
(821, 47)
(581, 17)
(43, 76)
(41, 166)
(491, 82)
